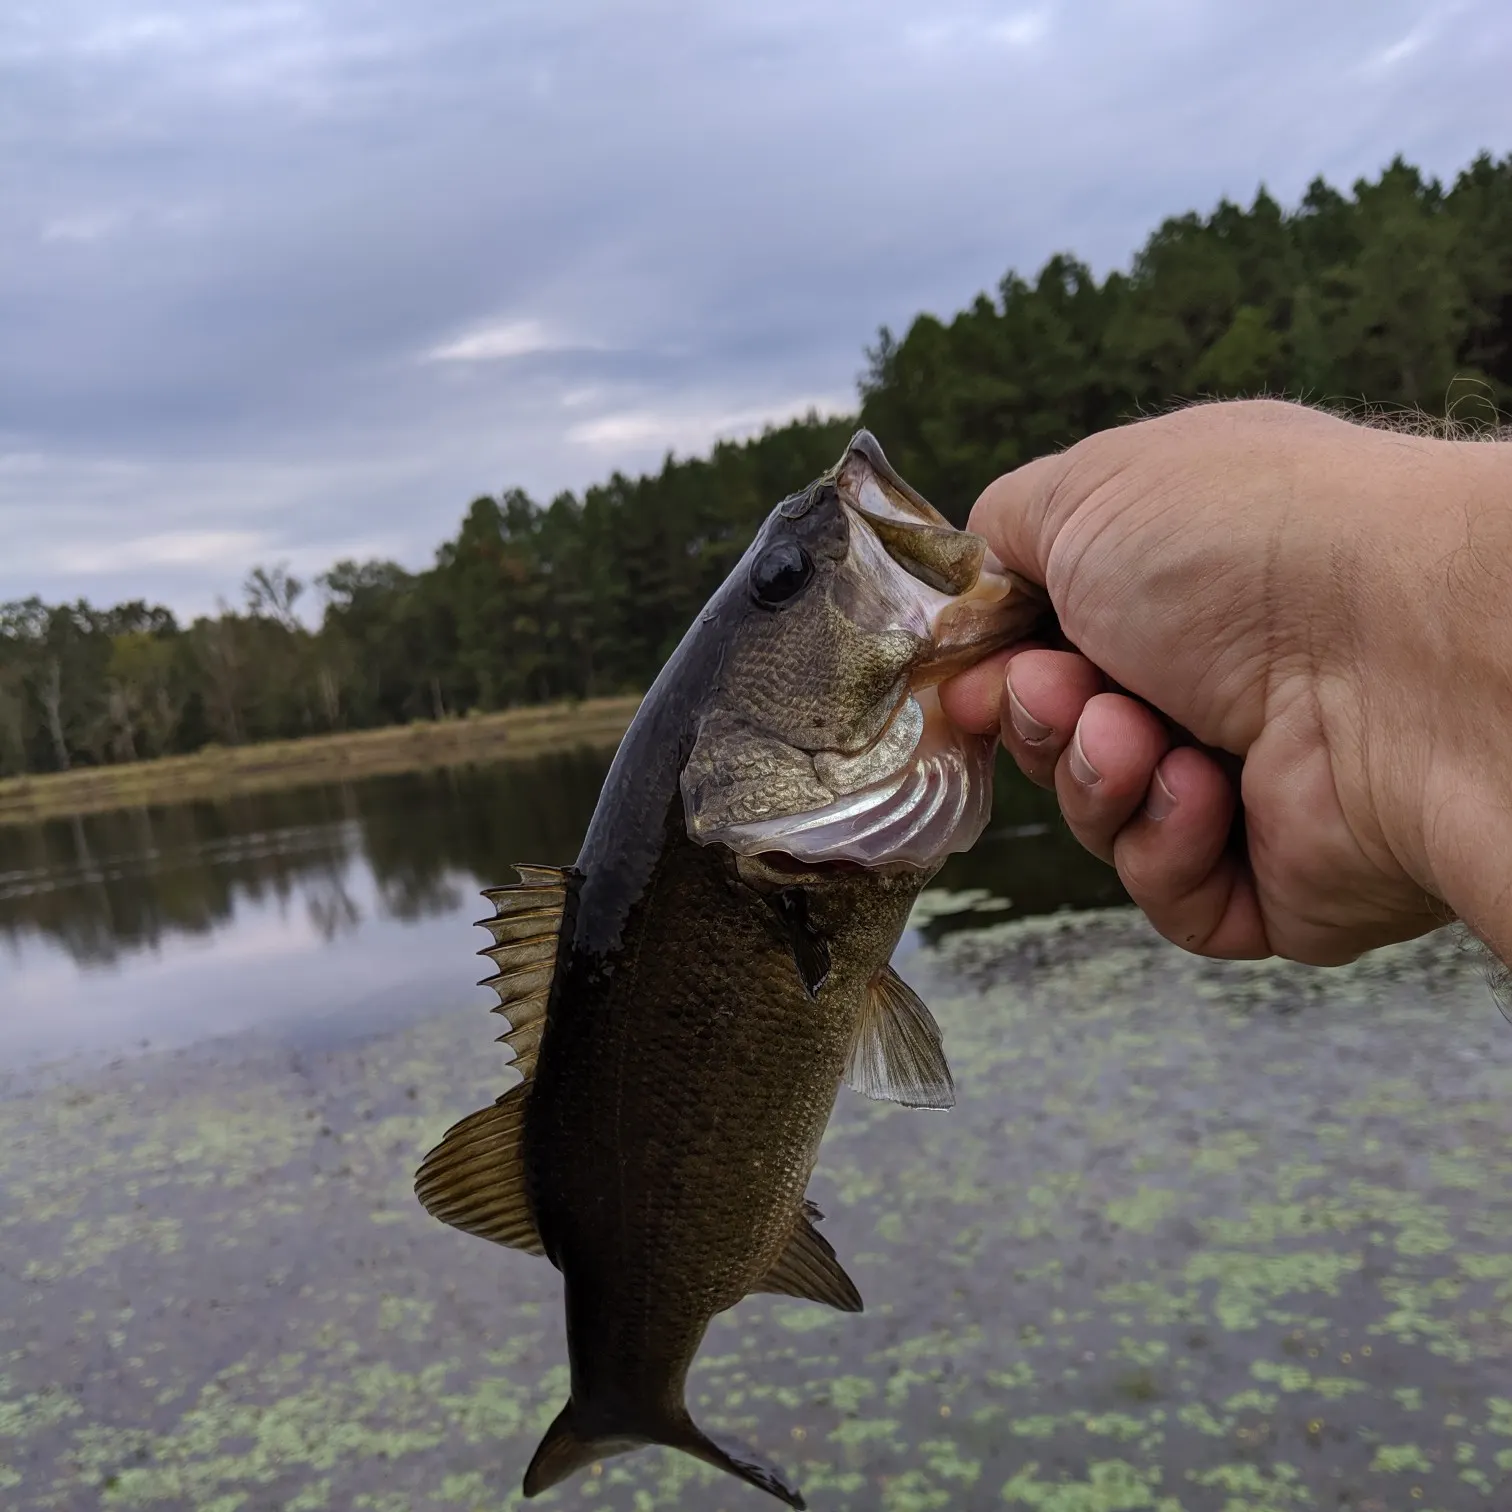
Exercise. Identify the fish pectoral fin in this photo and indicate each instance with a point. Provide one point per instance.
(811, 951)
(898, 1052)
(808, 1268)
(475, 1178)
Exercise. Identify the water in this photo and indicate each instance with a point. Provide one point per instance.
(326, 912)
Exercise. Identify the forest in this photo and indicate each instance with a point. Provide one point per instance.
(1397, 294)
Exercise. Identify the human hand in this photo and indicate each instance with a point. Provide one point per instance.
(1282, 619)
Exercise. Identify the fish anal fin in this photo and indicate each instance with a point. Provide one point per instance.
(898, 1053)
(808, 1268)
(475, 1178)
(573, 1442)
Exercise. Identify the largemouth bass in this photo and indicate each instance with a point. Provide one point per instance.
(685, 1000)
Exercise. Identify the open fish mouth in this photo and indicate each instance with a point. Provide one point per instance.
(922, 789)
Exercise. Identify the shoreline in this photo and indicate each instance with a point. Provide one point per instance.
(230, 771)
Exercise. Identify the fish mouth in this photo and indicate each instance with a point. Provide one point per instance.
(921, 790)
(941, 583)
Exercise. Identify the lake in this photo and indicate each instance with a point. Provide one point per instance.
(330, 912)
(1197, 1237)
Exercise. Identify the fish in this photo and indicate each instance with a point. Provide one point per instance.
(685, 1000)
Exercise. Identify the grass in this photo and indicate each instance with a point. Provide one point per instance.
(225, 771)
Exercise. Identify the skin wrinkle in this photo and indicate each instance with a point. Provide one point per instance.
(1123, 654)
(1345, 569)
(1291, 877)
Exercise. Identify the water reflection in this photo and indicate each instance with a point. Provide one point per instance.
(332, 910)
(110, 884)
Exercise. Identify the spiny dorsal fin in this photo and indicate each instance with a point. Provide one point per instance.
(475, 1178)
(526, 925)
(898, 1052)
(808, 1268)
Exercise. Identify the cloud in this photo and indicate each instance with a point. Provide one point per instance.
(1406, 46)
(496, 342)
(226, 549)
(946, 31)
(694, 429)
(87, 227)
(307, 277)
(1021, 30)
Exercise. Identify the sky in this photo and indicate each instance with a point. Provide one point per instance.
(288, 282)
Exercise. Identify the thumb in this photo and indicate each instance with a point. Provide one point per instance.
(1019, 515)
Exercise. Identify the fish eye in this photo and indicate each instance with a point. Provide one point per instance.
(782, 570)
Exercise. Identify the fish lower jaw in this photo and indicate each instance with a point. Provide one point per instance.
(936, 803)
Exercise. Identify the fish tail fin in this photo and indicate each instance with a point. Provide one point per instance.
(734, 1457)
(567, 1447)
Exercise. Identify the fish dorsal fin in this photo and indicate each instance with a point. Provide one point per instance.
(475, 1178)
(808, 1268)
(526, 926)
(898, 1053)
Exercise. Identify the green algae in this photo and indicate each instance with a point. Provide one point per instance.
(1196, 1238)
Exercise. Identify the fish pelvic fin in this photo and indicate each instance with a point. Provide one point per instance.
(569, 1446)
(808, 1268)
(475, 1178)
(898, 1053)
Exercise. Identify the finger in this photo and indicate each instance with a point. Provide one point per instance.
(1103, 777)
(973, 699)
(1044, 693)
(1176, 862)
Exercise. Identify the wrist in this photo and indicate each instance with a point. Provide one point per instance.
(1468, 809)
(1432, 653)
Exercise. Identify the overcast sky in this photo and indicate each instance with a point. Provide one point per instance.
(295, 281)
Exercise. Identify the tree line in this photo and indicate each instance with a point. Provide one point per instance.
(1396, 294)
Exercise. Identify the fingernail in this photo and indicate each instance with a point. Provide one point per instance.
(1161, 799)
(1025, 725)
(1082, 769)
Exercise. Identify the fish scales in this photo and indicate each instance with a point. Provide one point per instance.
(721, 948)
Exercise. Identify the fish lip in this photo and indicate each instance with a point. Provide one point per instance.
(866, 446)
(960, 624)
(999, 611)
